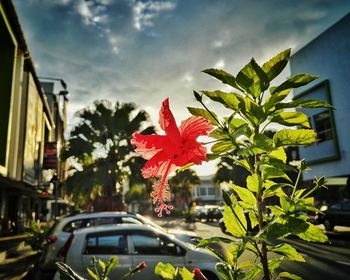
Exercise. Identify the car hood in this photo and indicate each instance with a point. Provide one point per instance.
(182, 232)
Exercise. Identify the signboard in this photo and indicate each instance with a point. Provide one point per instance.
(50, 155)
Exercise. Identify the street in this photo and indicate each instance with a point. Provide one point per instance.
(323, 261)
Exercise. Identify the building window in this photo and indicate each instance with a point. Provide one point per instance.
(323, 126)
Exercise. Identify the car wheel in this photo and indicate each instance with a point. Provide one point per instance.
(328, 225)
(210, 275)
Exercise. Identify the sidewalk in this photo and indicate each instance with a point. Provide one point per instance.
(16, 257)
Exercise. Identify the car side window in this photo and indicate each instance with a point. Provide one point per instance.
(73, 225)
(107, 244)
(346, 206)
(149, 244)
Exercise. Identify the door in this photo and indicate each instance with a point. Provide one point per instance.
(153, 248)
(105, 245)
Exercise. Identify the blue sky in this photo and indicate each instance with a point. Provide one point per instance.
(144, 51)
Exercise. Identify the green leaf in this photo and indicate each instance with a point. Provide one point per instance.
(285, 203)
(291, 119)
(206, 242)
(305, 103)
(185, 274)
(212, 117)
(223, 76)
(222, 147)
(165, 271)
(224, 270)
(313, 234)
(288, 251)
(270, 172)
(232, 224)
(226, 198)
(236, 123)
(253, 79)
(296, 81)
(279, 154)
(234, 251)
(289, 276)
(290, 137)
(112, 263)
(227, 99)
(275, 98)
(275, 65)
(92, 274)
(254, 182)
(244, 194)
(254, 272)
(101, 264)
(219, 134)
(253, 219)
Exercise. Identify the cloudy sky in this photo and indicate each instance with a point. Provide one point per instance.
(144, 51)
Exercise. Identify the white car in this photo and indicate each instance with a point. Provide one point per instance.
(133, 244)
(62, 229)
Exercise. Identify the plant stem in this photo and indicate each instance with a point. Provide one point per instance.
(263, 256)
(296, 183)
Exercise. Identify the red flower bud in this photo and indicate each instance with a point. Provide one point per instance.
(198, 275)
(141, 265)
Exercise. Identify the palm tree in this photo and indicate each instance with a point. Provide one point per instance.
(100, 150)
(182, 184)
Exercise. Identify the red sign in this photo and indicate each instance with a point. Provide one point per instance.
(50, 155)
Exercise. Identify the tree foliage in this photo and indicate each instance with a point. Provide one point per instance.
(100, 150)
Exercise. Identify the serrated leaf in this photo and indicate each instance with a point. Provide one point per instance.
(244, 194)
(285, 203)
(288, 251)
(252, 78)
(296, 81)
(229, 100)
(313, 234)
(223, 76)
(275, 65)
(291, 119)
(222, 147)
(290, 137)
(254, 182)
(305, 103)
(234, 226)
(274, 99)
(212, 117)
(289, 276)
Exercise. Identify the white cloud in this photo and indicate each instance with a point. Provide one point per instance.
(145, 12)
(219, 64)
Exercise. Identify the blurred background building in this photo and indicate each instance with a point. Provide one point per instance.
(29, 119)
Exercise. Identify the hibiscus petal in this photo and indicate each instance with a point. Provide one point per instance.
(156, 166)
(147, 145)
(167, 122)
(195, 126)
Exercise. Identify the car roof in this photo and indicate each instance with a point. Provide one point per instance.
(99, 214)
(118, 227)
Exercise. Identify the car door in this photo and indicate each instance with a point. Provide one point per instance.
(153, 248)
(104, 245)
(346, 214)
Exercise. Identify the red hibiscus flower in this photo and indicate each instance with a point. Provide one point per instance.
(178, 147)
(198, 275)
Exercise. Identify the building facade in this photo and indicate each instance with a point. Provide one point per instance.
(26, 124)
(328, 56)
(208, 192)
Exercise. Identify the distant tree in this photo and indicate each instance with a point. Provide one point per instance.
(227, 171)
(183, 182)
(100, 150)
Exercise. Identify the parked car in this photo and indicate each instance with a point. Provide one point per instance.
(337, 214)
(208, 212)
(62, 229)
(133, 244)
